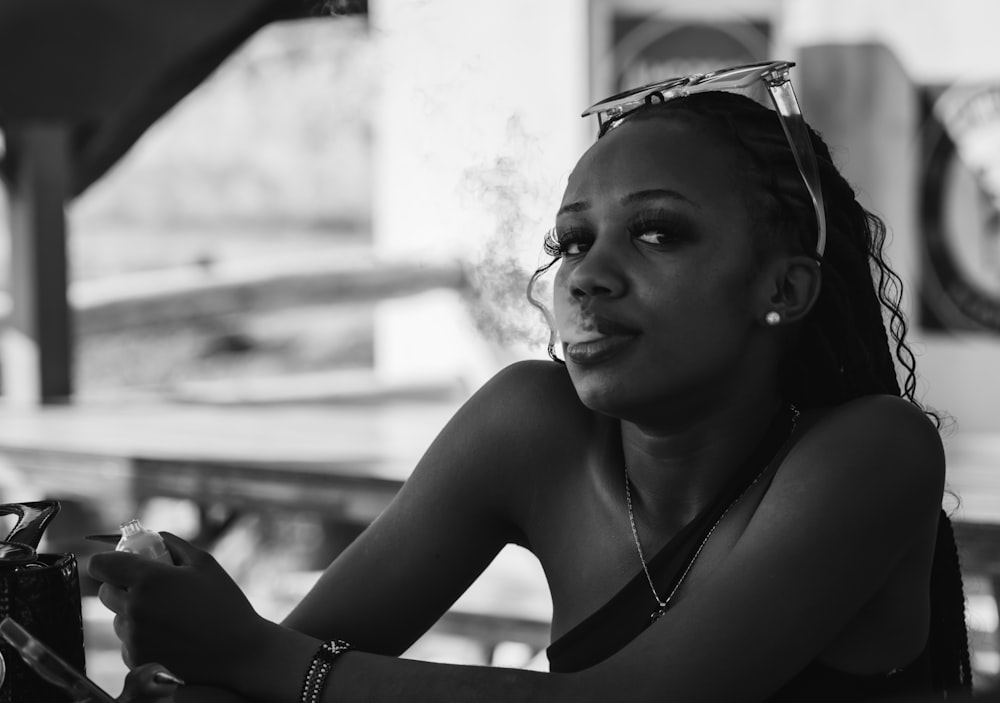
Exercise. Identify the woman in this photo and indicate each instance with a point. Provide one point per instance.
(730, 495)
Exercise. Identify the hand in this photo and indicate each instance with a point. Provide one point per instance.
(148, 684)
(189, 615)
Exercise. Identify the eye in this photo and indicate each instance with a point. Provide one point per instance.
(573, 242)
(658, 230)
(654, 236)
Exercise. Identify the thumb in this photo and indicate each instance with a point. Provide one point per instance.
(183, 553)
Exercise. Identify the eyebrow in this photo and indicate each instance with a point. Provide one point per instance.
(635, 196)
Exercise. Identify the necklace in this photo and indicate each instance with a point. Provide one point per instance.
(663, 604)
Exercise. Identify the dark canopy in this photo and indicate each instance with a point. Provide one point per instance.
(109, 69)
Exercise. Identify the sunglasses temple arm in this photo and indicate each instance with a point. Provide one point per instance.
(798, 138)
(603, 123)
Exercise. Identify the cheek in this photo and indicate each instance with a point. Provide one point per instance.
(703, 317)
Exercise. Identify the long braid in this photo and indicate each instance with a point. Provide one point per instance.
(949, 638)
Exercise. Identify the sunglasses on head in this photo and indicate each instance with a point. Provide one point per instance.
(773, 75)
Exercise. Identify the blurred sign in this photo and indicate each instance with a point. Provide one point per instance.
(652, 46)
(960, 210)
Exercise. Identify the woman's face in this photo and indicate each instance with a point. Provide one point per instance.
(657, 294)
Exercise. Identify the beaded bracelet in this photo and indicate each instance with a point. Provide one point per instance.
(319, 669)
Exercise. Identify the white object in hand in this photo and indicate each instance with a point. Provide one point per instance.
(146, 543)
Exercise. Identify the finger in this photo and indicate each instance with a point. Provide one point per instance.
(126, 657)
(123, 629)
(183, 553)
(117, 568)
(114, 599)
(149, 682)
(105, 539)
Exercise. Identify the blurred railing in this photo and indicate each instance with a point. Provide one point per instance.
(191, 293)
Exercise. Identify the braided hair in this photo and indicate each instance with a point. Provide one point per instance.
(850, 342)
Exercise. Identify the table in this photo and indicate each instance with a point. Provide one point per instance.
(346, 461)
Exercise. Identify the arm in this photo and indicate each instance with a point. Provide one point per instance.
(858, 494)
(450, 519)
(447, 523)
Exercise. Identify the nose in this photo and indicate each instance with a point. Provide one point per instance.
(599, 274)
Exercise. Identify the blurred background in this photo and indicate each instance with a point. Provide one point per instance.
(252, 259)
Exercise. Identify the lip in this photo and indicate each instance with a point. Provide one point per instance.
(612, 328)
(589, 327)
(596, 351)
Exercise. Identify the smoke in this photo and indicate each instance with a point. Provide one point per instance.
(518, 203)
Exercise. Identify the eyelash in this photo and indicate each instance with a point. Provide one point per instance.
(557, 243)
(667, 227)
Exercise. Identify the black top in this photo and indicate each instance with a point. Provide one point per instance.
(819, 683)
(628, 612)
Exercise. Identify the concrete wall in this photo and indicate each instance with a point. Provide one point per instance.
(477, 128)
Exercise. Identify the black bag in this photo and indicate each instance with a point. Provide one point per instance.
(42, 593)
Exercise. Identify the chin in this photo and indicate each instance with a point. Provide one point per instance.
(602, 393)
(636, 397)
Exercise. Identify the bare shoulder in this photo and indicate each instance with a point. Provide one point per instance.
(525, 380)
(883, 428)
(881, 446)
(883, 413)
(530, 397)
(515, 423)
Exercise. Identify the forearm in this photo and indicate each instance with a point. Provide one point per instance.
(277, 672)
(359, 676)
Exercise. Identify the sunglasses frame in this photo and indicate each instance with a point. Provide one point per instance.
(774, 75)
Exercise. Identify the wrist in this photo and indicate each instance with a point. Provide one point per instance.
(272, 663)
(319, 670)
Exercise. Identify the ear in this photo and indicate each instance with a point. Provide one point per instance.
(790, 288)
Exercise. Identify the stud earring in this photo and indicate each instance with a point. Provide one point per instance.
(772, 318)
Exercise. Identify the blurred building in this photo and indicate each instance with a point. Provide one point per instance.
(477, 130)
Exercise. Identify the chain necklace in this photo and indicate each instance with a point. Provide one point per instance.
(663, 604)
